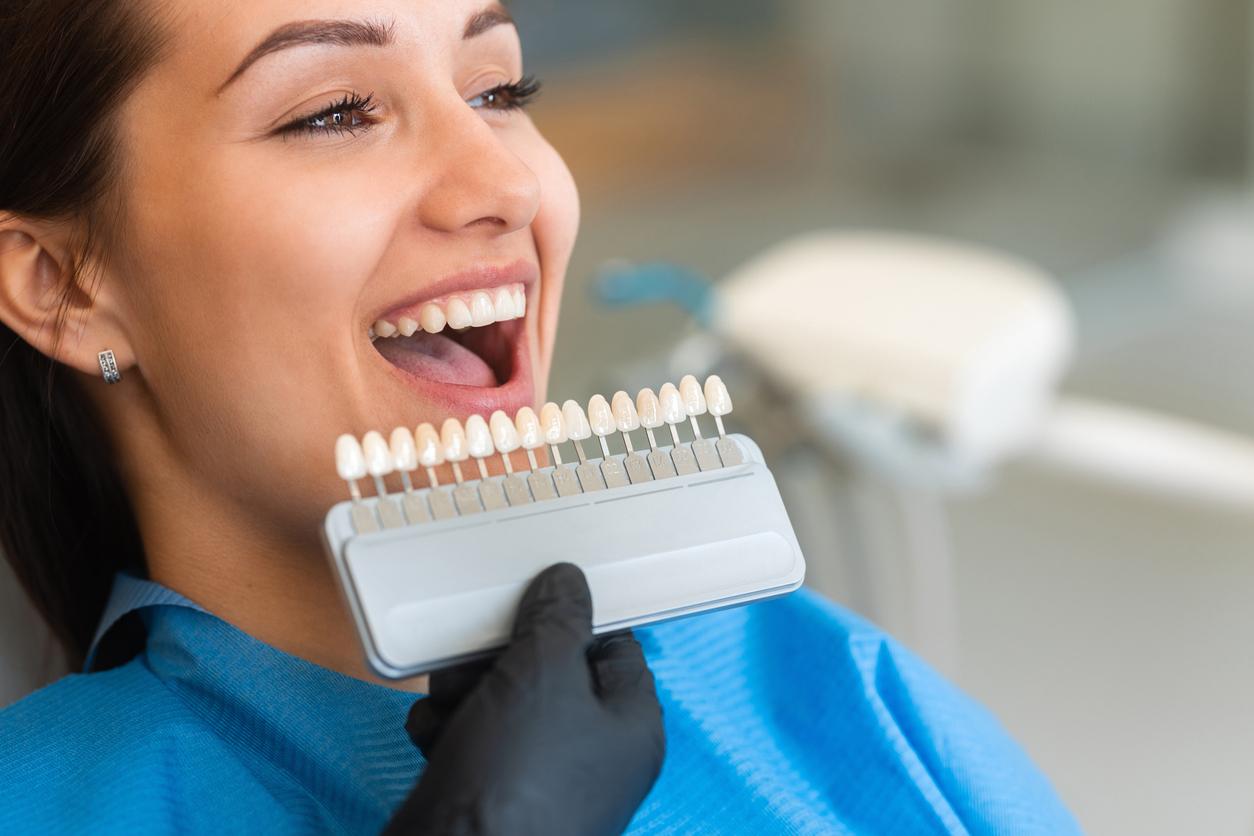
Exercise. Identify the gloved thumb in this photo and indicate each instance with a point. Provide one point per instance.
(557, 605)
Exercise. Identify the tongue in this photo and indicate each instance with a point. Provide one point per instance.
(436, 357)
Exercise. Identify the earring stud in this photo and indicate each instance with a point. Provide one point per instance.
(109, 366)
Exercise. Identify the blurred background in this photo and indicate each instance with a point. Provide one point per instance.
(1103, 614)
(1088, 574)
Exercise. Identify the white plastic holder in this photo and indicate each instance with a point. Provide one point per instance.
(435, 594)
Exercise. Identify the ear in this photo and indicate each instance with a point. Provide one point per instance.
(37, 260)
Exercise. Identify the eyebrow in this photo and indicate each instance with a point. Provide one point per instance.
(352, 33)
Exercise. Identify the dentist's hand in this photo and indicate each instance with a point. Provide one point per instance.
(560, 734)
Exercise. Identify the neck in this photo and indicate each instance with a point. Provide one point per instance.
(280, 591)
(285, 597)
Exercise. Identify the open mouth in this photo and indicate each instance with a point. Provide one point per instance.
(465, 339)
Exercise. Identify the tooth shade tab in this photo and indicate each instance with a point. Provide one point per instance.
(350, 461)
(529, 433)
(453, 441)
(672, 404)
(404, 451)
(378, 455)
(692, 396)
(577, 428)
(478, 437)
(649, 409)
(504, 433)
(430, 449)
(694, 401)
(625, 416)
(717, 400)
(553, 424)
(600, 417)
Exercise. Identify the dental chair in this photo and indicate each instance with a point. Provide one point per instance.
(915, 367)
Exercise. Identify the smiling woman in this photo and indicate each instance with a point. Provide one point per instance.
(270, 224)
(281, 181)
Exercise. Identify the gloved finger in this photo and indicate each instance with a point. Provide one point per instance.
(449, 687)
(558, 604)
(425, 722)
(619, 670)
(552, 630)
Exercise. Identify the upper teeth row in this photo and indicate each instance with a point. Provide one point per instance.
(474, 309)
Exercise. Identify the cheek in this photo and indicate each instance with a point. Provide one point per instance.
(251, 285)
(555, 228)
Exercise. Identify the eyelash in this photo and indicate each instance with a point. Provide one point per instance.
(514, 96)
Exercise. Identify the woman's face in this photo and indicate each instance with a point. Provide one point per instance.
(278, 208)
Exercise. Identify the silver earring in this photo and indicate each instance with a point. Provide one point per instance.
(109, 366)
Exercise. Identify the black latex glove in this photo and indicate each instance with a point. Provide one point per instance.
(560, 734)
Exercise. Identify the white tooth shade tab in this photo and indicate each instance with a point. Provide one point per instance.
(432, 319)
(453, 441)
(430, 450)
(378, 456)
(692, 396)
(600, 417)
(577, 427)
(478, 437)
(350, 461)
(530, 434)
(672, 404)
(625, 416)
(458, 314)
(504, 433)
(553, 424)
(649, 410)
(404, 451)
(717, 399)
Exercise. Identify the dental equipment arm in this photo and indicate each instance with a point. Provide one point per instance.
(560, 734)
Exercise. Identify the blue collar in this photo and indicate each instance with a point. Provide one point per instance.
(130, 594)
(302, 730)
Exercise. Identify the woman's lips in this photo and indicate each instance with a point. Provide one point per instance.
(477, 369)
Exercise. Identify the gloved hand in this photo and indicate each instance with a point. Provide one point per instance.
(560, 734)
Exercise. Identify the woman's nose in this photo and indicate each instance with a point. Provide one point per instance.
(476, 179)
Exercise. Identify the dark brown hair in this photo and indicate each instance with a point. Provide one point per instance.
(65, 523)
